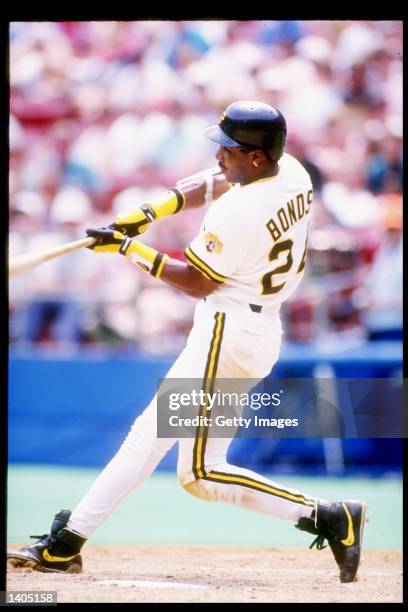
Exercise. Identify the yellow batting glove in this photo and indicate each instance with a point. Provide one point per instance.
(108, 240)
(137, 221)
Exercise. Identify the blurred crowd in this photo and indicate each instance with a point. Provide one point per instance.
(106, 114)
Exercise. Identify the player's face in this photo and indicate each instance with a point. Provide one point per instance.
(236, 164)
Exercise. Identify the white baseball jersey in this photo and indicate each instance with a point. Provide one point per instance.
(253, 239)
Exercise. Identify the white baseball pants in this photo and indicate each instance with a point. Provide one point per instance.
(225, 342)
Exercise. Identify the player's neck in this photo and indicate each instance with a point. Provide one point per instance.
(269, 171)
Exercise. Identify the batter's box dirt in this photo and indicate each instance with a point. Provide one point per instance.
(210, 574)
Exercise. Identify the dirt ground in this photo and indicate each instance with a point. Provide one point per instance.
(212, 574)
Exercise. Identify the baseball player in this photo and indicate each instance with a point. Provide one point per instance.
(247, 258)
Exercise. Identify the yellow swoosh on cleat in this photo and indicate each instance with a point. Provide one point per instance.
(349, 541)
(51, 559)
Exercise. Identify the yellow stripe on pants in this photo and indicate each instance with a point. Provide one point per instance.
(208, 386)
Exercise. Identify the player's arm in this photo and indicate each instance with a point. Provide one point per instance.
(178, 274)
(185, 278)
(191, 192)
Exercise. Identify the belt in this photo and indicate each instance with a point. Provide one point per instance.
(255, 307)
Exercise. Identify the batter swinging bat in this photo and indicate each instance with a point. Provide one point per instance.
(20, 263)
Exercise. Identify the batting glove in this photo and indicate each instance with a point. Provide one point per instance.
(108, 240)
(136, 222)
(112, 241)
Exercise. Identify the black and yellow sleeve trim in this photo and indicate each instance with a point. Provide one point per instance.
(181, 199)
(208, 387)
(158, 264)
(203, 267)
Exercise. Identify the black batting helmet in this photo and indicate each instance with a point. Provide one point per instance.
(251, 124)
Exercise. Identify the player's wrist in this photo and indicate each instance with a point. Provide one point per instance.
(137, 221)
(168, 204)
(144, 256)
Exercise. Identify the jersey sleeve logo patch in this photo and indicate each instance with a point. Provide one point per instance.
(212, 243)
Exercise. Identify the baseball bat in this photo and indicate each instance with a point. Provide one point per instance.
(20, 263)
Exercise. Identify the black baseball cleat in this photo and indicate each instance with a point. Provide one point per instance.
(57, 552)
(341, 524)
(38, 557)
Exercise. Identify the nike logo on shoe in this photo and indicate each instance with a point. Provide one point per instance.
(51, 559)
(349, 540)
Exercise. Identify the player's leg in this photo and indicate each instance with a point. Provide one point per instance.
(340, 523)
(212, 478)
(134, 462)
(142, 449)
(204, 471)
(240, 350)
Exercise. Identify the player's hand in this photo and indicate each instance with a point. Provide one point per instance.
(109, 240)
(133, 223)
(112, 241)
